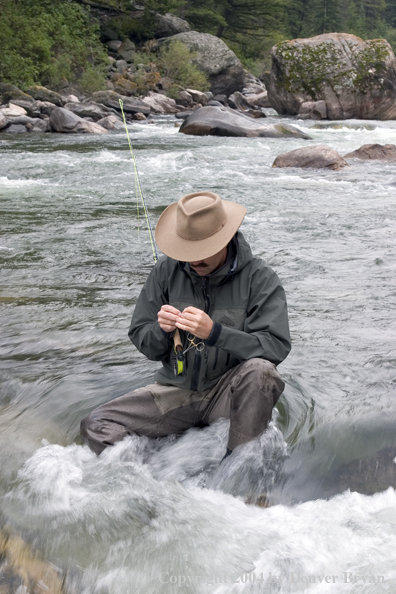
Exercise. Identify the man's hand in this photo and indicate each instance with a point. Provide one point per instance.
(167, 317)
(195, 321)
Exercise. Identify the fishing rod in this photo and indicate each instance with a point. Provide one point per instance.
(177, 343)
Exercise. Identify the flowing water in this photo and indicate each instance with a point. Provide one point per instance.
(138, 518)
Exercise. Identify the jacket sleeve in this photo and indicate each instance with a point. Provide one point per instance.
(265, 332)
(145, 331)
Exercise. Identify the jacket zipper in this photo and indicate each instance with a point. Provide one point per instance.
(198, 356)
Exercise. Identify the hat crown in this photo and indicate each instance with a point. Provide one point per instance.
(199, 215)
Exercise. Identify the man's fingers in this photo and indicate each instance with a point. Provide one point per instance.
(170, 309)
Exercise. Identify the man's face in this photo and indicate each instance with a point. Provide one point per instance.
(208, 265)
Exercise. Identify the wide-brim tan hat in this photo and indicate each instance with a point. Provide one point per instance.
(198, 226)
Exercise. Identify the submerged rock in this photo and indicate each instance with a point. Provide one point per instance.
(223, 121)
(368, 152)
(355, 78)
(62, 120)
(23, 571)
(315, 157)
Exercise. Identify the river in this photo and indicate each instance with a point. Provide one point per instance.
(159, 517)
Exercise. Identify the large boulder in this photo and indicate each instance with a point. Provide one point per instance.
(111, 99)
(355, 78)
(167, 24)
(312, 157)
(44, 94)
(62, 120)
(369, 152)
(127, 50)
(215, 59)
(223, 121)
(10, 92)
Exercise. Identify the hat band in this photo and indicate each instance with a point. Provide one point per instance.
(203, 236)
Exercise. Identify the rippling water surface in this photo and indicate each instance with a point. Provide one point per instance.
(137, 519)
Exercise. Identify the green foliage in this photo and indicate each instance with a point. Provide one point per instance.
(45, 41)
(175, 62)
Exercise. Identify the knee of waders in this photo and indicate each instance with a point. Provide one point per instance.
(265, 376)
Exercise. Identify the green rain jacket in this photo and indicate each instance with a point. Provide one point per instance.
(245, 300)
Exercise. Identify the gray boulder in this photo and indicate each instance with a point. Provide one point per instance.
(40, 126)
(89, 109)
(127, 50)
(355, 78)
(223, 121)
(215, 59)
(111, 122)
(62, 120)
(369, 152)
(312, 157)
(111, 99)
(44, 94)
(166, 25)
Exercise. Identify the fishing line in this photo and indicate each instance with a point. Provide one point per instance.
(138, 187)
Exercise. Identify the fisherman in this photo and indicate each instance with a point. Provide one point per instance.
(216, 318)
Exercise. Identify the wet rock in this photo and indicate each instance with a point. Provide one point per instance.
(111, 99)
(215, 59)
(139, 116)
(22, 571)
(40, 126)
(111, 122)
(167, 24)
(315, 157)
(127, 50)
(10, 92)
(223, 121)
(368, 152)
(355, 78)
(62, 120)
(313, 110)
(44, 94)
(89, 109)
(15, 129)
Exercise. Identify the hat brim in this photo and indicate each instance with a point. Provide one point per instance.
(185, 250)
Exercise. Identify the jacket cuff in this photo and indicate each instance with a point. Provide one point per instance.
(214, 335)
(168, 335)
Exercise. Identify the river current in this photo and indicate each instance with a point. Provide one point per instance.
(291, 512)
